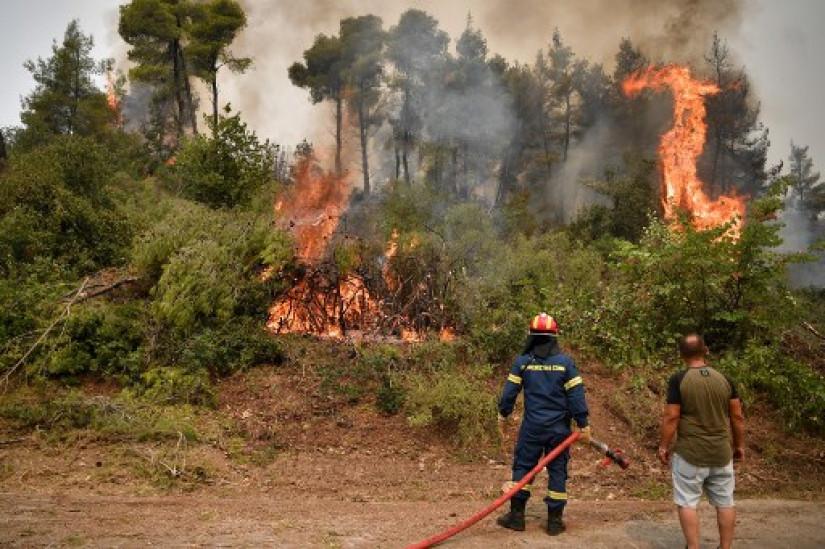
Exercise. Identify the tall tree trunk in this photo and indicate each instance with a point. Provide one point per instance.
(338, 123)
(2, 150)
(406, 133)
(215, 100)
(397, 162)
(566, 125)
(75, 93)
(193, 116)
(362, 126)
(177, 84)
(405, 162)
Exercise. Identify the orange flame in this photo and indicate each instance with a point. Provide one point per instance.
(313, 207)
(112, 98)
(681, 146)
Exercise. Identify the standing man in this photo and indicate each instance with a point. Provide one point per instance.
(553, 395)
(703, 409)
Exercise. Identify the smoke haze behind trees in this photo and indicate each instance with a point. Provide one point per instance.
(278, 32)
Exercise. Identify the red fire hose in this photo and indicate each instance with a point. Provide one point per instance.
(446, 534)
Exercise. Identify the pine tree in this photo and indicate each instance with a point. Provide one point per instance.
(322, 74)
(737, 142)
(362, 45)
(804, 180)
(215, 24)
(156, 31)
(564, 73)
(417, 48)
(65, 99)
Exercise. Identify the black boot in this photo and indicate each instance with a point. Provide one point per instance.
(514, 520)
(555, 526)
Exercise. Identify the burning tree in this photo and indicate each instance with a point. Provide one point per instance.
(681, 146)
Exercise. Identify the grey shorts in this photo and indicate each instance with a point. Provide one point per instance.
(689, 480)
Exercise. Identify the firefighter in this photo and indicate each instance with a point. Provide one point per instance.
(553, 396)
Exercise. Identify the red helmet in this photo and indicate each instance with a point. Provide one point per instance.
(544, 324)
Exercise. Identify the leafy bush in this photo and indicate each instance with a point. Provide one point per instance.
(171, 385)
(459, 402)
(206, 265)
(237, 344)
(794, 388)
(101, 340)
(544, 273)
(54, 203)
(120, 418)
(223, 170)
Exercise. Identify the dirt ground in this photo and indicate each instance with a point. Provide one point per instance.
(292, 466)
(276, 520)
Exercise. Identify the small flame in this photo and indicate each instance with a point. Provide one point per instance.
(112, 98)
(681, 146)
(447, 334)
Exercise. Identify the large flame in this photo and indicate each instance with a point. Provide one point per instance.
(322, 301)
(681, 146)
(312, 208)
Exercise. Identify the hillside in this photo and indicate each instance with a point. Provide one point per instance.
(282, 450)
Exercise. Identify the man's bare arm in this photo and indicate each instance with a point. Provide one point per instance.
(670, 421)
(737, 427)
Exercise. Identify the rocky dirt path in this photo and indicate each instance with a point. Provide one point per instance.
(233, 519)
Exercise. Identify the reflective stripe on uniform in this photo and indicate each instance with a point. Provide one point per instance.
(514, 379)
(528, 488)
(572, 383)
(556, 495)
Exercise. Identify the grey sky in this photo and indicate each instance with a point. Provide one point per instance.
(781, 44)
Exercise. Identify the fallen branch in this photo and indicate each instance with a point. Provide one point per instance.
(12, 441)
(108, 288)
(63, 316)
(808, 326)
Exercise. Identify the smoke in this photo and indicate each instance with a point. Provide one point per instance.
(798, 234)
(279, 32)
(567, 196)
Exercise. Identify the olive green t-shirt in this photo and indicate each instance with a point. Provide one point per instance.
(704, 394)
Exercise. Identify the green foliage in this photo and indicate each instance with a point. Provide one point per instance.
(120, 418)
(65, 100)
(678, 281)
(633, 198)
(105, 341)
(54, 204)
(224, 170)
(210, 266)
(460, 402)
(228, 348)
(215, 23)
(544, 273)
(171, 385)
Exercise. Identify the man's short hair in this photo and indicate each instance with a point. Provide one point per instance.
(692, 345)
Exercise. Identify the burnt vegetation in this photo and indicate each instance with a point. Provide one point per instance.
(142, 246)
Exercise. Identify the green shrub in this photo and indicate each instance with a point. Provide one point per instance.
(206, 265)
(793, 387)
(55, 203)
(390, 397)
(58, 413)
(223, 170)
(104, 340)
(456, 401)
(238, 344)
(171, 385)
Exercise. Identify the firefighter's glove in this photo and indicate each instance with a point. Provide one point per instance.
(585, 435)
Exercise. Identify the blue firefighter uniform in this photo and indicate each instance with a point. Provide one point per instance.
(553, 395)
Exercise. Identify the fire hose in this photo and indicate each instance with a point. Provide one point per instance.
(616, 456)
